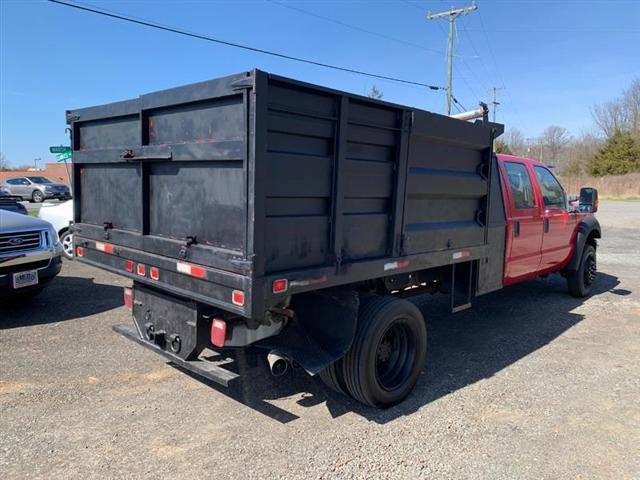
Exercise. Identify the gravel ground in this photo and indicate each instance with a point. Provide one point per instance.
(530, 383)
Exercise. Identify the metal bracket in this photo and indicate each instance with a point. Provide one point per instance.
(184, 249)
(107, 226)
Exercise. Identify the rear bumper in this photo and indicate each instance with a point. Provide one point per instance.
(199, 367)
(215, 289)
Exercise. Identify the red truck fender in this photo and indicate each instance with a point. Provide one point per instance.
(588, 231)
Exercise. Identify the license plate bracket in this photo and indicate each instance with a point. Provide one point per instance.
(27, 278)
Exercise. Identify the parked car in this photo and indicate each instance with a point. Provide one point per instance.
(296, 219)
(30, 255)
(60, 215)
(11, 203)
(36, 188)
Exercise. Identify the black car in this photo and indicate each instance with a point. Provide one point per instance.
(11, 202)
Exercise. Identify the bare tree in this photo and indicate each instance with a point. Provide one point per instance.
(553, 140)
(610, 117)
(621, 115)
(514, 138)
(632, 105)
(4, 164)
(375, 93)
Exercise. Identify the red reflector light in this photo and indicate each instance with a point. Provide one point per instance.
(128, 298)
(218, 332)
(192, 270)
(237, 297)
(141, 270)
(198, 271)
(104, 247)
(155, 273)
(129, 266)
(280, 285)
(79, 252)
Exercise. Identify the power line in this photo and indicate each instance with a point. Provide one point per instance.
(178, 31)
(354, 27)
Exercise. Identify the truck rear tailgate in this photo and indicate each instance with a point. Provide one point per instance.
(166, 173)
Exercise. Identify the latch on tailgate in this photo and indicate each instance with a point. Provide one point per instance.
(188, 241)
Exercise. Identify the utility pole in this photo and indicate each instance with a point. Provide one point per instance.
(495, 102)
(451, 15)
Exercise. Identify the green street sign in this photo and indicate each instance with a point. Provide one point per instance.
(61, 157)
(59, 149)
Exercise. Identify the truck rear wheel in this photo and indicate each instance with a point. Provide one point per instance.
(333, 378)
(388, 352)
(581, 280)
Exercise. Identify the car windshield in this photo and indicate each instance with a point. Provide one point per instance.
(39, 180)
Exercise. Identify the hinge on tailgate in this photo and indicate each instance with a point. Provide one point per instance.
(188, 241)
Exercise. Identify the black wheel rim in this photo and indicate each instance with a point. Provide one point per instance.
(395, 356)
(590, 270)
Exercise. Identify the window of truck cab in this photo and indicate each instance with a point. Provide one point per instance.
(519, 182)
(552, 192)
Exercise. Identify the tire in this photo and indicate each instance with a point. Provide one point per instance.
(66, 239)
(333, 378)
(37, 196)
(581, 280)
(388, 352)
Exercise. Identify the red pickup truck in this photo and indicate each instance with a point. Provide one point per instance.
(258, 213)
(543, 231)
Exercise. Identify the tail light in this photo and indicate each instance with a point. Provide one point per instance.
(141, 270)
(218, 332)
(280, 285)
(129, 266)
(237, 298)
(128, 298)
(79, 252)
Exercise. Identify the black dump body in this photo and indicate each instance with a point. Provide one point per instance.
(257, 177)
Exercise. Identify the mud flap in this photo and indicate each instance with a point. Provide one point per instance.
(321, 331)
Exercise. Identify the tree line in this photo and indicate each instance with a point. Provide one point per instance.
(612, 148)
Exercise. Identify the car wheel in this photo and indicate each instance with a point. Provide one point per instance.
(66, 239)
(388, 352)
(581, 281)
(37, 196)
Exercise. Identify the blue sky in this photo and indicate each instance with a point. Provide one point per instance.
(555, 58)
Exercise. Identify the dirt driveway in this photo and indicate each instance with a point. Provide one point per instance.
(531, 383)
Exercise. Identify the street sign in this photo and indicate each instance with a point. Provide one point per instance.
(59, 149)
(61, 157)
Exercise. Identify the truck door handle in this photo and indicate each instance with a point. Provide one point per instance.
(546, 225)
(516, 229)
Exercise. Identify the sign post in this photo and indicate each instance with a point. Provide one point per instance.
(63, 153)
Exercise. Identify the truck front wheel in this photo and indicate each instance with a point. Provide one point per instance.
(581, 280)
(388, 352)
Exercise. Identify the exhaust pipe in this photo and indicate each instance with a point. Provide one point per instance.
(278, 363)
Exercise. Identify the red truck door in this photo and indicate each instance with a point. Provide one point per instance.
(558, 224)
(525, 224)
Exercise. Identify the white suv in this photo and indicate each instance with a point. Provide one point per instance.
(60, 215)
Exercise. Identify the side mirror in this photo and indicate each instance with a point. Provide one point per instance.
(588, 200)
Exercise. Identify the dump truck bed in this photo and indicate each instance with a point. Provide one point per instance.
(227, 186)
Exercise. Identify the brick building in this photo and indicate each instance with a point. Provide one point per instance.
(54, 171)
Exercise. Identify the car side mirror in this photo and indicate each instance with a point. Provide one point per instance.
(588, 200)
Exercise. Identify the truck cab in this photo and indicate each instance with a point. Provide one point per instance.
(542, 228)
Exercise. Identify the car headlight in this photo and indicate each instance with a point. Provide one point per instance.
(48, 189)
(53, 235)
